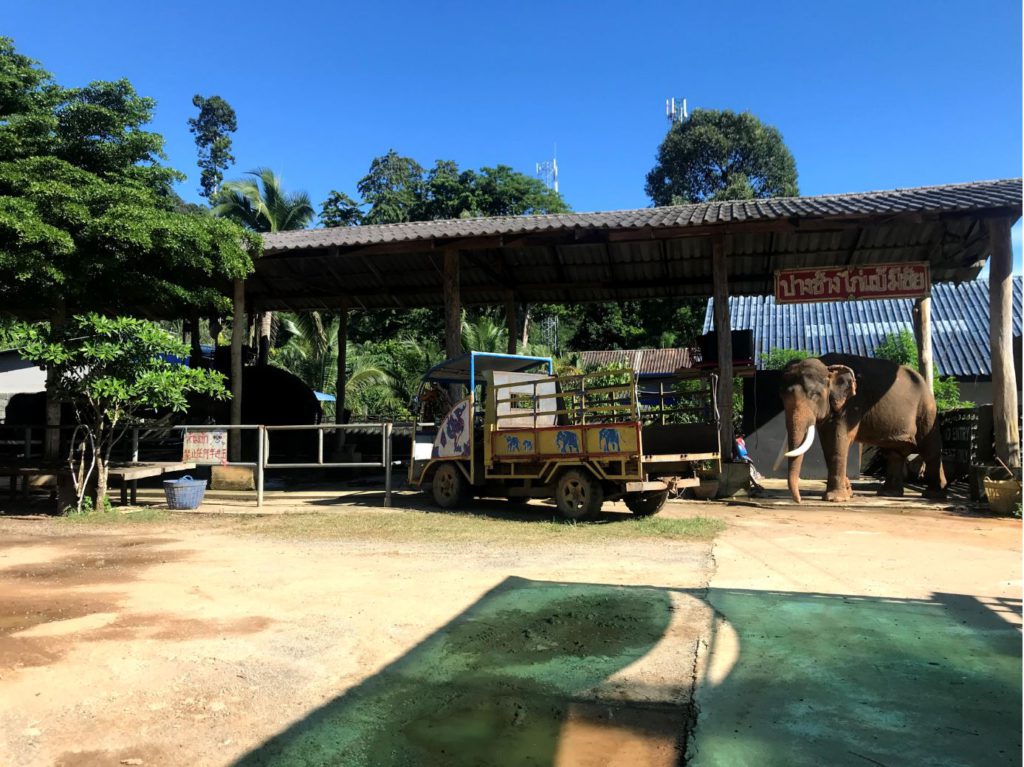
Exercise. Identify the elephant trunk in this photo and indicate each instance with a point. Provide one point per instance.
(800, 428)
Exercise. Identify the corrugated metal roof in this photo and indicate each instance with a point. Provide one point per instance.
(932, 199)
(642, 361)
(960, 325)
(621, 255)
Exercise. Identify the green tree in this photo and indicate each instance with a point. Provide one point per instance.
(112, 370)
(901, 348)
(340, 210)
(721, 155)
(392, 189)
(776, 358)
(484, 334)
(211, 127)
(261, 204)
(88, 217)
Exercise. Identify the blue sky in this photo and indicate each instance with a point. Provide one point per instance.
(868, 95)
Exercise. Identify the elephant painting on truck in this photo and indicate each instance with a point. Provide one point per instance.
(859, 399)
(579, 439)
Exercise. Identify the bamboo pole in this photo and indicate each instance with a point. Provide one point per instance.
(1006, 430)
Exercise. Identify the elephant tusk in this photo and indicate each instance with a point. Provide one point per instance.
(805, 446)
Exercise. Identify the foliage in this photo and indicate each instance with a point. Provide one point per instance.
(656, 323)
(776, 358)
(261, 203)
(397, 189)
(721, 155)
(112, 370)
(901, 348)
(340, 210)
(310, 351)
(88, 220)
(211, 127)
(484, 334)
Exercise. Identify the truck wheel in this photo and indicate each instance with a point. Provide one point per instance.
(578, 495)
(448, 486)
(646, 504)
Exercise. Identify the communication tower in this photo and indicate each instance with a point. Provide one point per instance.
(674, 115)
(547, 171)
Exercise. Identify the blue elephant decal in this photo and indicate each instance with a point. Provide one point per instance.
(609, 439)
(527, 446)
(512, 444)
(567, 442)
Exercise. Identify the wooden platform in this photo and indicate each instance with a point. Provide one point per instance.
(126, 473)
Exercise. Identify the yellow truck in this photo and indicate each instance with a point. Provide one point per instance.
(500, 425)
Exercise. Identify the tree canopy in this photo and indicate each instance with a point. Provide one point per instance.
(261, 204)
(88, 217)
(721, 155)
(397, 189)
(216, 119)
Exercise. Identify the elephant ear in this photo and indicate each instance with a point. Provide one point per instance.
(842, 386)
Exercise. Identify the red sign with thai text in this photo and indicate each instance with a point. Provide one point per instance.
(852, 283)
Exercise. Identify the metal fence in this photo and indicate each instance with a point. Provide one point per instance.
(24, 443)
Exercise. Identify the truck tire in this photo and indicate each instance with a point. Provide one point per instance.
(646, 504)
(448, 486)
(578, 495)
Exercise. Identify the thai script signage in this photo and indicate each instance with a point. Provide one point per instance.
(905, 280)
(206, 446)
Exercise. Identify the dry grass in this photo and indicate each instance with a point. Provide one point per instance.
(451, 527)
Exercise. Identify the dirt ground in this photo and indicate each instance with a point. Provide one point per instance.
(200, 640)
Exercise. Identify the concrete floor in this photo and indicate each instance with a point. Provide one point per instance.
(862, 636)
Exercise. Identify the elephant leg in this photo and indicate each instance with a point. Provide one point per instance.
(894, 469)
(935, 477)
(836, 444)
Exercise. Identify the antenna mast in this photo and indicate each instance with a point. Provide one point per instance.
(674, 115)
(547, 171)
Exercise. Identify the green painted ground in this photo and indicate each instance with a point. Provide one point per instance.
(491, 688)
(828, 680)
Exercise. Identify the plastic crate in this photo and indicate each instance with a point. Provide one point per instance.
(184, 493)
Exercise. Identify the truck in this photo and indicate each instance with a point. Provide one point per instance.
(506, 426)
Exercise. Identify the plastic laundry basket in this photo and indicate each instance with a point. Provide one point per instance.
(184, 493)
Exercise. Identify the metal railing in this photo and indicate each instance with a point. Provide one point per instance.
(27, 441)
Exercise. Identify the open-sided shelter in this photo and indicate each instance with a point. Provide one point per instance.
(708, 249)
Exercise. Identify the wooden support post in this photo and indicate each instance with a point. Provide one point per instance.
(923, 334)
(452, 305)
(1005, 428)
(238, 326)
(342, 380)
(723, 328)
(511, 323)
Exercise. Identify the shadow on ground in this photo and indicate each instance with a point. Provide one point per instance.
(832, 679)
(809, 679)
(498, 685)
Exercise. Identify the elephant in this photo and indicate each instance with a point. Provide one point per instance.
(512, 444)
(871, 401)
(567, 442)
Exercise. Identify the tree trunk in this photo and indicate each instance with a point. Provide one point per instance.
(266, 322)
(215, 328)
(51, 434)
(196, 360)
(526, 324)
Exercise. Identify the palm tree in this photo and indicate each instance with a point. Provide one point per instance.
(483, 334)
(261, 204)
(311, 353)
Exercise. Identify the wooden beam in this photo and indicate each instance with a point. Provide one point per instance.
(1005, 428)
(723, 328)
(923, 335)
(238, 328)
